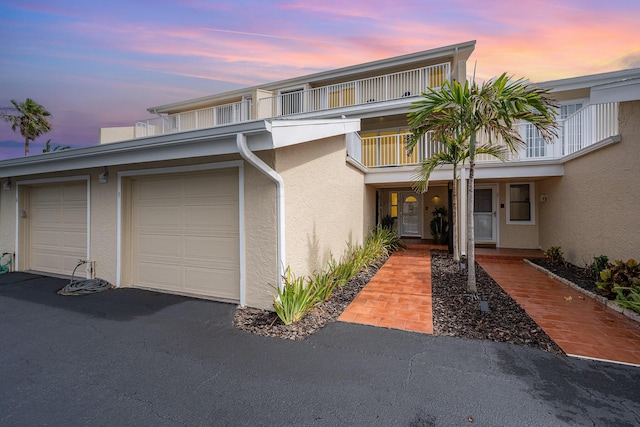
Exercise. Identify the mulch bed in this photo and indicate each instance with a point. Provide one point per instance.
(577, 275)
(455, 313)
(266, 323)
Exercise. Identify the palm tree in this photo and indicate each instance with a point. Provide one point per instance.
(47, 147)
(31, 120)
(453, 152)
(459, 113)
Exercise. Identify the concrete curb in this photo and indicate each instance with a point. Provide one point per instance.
(609, 303)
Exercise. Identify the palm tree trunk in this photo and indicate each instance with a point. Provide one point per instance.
(26, 146)
(471, 256)
(454, 216)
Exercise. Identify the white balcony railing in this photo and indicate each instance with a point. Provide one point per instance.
(357, 92)
(196, 119)
(585, 127)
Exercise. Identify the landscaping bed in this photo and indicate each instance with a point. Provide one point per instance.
(267, 323)
(454, 312)
(581, 277)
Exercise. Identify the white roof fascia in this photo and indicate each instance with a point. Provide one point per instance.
(291, 132)
(198, 143)
(460, 51)
(621, 91)
(592, 80)
(261, 135)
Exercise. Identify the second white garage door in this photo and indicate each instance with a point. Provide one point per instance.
(185, 233)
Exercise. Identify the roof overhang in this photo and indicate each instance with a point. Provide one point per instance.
(620, 91)
(261, 135)
(589, 81)
(486, 170)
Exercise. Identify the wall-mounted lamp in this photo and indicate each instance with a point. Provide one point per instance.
(7, 185)
(543, 197)
(103, 177)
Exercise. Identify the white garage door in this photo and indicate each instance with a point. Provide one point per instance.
(185, 233)
(57, 217)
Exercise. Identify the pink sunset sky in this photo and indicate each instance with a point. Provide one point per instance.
(98, 64)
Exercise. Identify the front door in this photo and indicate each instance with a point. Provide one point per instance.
(484, 215)
(409, 215)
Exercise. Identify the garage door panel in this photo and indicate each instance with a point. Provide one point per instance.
(74, 193)
(73, 240)
(159, 245)
(186, 233)
(212, 217)
(75, 215)
(200, 280)
(160, 216)
(158, 275)
(57, 226)
(218, 249)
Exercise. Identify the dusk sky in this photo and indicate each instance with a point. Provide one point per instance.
(95, 64)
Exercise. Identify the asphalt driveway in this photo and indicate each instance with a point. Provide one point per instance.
(133, 357)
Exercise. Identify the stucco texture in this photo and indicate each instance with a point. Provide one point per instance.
(522, 236)
(325, 203)
(593, 209)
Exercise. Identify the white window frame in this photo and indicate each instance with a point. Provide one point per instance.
(532, 203)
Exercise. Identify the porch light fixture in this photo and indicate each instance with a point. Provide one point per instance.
(543, 198)
(103, 178)
(7, 185)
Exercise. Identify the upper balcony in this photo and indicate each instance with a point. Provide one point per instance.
(580, 130)
(387, 87)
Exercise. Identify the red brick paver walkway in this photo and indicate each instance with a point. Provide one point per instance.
(579, 325)
(398, 296)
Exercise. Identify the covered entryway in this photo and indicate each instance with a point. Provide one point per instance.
(55, 226)
(185, 233)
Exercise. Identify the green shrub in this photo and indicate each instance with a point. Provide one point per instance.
(628, 297)
(295, 299)
(599, 263)
(555, 255)
(300, 295)
(620, 279)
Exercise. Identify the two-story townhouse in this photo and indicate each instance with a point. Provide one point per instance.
(218, 195)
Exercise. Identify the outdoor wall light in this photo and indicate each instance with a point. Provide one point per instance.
(7, 185)
(103, 178)
(543, 198)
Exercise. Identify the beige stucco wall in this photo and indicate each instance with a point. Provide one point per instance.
(523, 236)
(325, 201)
(594, 208)
(260, 235)
(115, 134)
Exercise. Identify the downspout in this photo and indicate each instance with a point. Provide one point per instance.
(255, 161)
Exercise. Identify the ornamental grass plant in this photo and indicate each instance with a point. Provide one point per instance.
(299, 295)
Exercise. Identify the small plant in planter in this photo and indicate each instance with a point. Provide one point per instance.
(387, 222)
(555, 255)
(599, 263)
(439, 226)
(620, 280)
